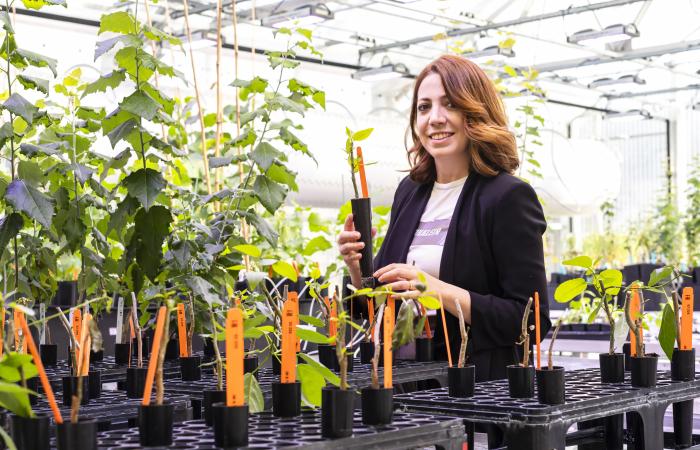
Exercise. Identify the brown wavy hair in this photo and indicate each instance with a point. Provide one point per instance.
(491, 146)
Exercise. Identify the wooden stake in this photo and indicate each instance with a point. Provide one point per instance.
(234, 358)
(537, 329)
(444, 330)
(153, 362)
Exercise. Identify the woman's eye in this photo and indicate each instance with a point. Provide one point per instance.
(423, 107)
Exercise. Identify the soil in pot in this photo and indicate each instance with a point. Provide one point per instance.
(550, 385)
(460, 381)
(336, 412)
(377, 406)
(521, 381)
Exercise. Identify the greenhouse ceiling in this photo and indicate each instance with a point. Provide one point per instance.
(652, 50)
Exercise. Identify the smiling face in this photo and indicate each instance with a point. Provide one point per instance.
(441, 128)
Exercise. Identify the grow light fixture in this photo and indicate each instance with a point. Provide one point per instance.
(613, 33)
(305, 15)
(624, 80)
(492, 53)
(384, 72)
(638, 113)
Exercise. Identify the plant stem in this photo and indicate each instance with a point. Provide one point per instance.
(525, 335)
(340, 344)
(352, 169)
(217, 354)
(463, 332)
(551, 344)
(377, 348)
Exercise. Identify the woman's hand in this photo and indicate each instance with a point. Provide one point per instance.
(349, 245)
(403, 278)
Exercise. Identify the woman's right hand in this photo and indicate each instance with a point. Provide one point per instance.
(349, 245)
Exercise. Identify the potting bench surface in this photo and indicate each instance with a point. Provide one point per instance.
(408, 430)
(110, 371)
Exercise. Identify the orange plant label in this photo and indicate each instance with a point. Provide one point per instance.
(444, 330)
(234, 358)
(687, 319)
(289, 338)
(293, 297)
(77, 323)
(537, 329)
(388, 333)
(2, 330)
(634, 313)
(333, 321)
(16, 320)
(182, 330)
(370, 310)
(428, 331)
(361, 169)
(153, 360)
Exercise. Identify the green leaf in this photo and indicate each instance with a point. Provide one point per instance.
(312, 382)
(320, 98)
(121, 22)
(140, 104)
(362, 134)
(145, 185)
(262, 227)
(311, 320)
(270, 194)
(667, 331)
(285, 269)
(15, 399)
(6, 22)
(264, 155)
(122, 131)
(312, 336)
(404, 331)
(150, 230)
(111, 80)
(612, 280)
(30, 172)
(37, 60)
(118, 219)
(579, 261)
(6, 132)
(10, 225)
(203, 289)
(29, 200)
(304, 32)
(281, 174)
(570, 289)
(622, 331)
(253, 394)
(320, 368)
(19, 106)
(659, 276)
(250, 250)
(317, 244)
(32, 150)
(429, 302)
(39, 84)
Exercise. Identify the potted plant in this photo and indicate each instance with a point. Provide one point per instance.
(286, 393)
(378, 402)
(211, 396)
(550, 380)
(190, 365)
(521, 377)
(643, 365)
(460, 379)
(75, 386)
(135, 376)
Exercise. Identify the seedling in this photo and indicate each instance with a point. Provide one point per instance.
(356, 164)
(635, 323)
(464, 331)
(551, 344)
(525, 334)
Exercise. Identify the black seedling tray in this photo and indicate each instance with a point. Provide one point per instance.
(409, 430)
(530, 425)
(114, 410)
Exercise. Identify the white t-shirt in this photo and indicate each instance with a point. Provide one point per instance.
(429, 239)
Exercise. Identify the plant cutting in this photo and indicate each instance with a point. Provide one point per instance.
(521, 377)
(76, 386)
(460, 379)
(643, 364)
(550, 379)
(190, 365)
(377, 402)
(286, 393)
(211, 396)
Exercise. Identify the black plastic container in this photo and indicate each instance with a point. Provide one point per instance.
(336, 412)
(33, 384)
(135, 381)
(70, 387)
(683, 369)
(612, 367)
(49, 354)
(550, 385)
(521, 381)
(97, 356)
(683, 365)
(627, 351)
(208, 349)
(276, 365)
(366, 352)
(172, 350)
(77, 436)
(424, 349)
(31, 433)
(377, 406)
(327, 356)
(210, 397)
(644, 370)
(362, 217)
(121, 353)
(286, 399)
(460, 381)
(156, 425)
(190, 368)
(230, 425)
(250, 365)
(66, 293)
(95, 383)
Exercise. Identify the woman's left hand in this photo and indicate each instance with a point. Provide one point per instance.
(404, 277)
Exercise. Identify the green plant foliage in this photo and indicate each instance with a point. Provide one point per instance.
(253, 394)
(667, 331)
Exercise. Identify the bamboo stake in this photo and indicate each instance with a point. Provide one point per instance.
(219, 113)
(154, 52)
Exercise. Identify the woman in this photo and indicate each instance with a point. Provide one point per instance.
(462, 218)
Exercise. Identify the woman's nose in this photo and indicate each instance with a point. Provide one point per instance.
(437, 115)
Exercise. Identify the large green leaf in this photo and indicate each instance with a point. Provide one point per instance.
(111, 80)
(311, 320)
(37, 60)
(32, 150)
(31, 201)
(121, 22)
(204, 289)
(659, 276)
(569, 289)
(253, 394)
(19, 106)
(281, 174)
(621, 333)
(150, 230)
(122, 131)
(429, 302)
(667, 331)
(580, 261)
(118, 219)
(403, 331)
(270, 193)
(312, 382)
(262, 227)
(106, 45)
(140, 104)
(312, 336)
(285, 269)
(264, 155)
(6, 22)
(9, 227)
(317, 244)
(145, 185)
(6, 132)
(15, 399)
(30, 82)
(612, 280)
(250, 250)
(320, 368)
(362, 134)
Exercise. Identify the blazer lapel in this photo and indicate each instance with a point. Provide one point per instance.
(401, 235)
(447, 262)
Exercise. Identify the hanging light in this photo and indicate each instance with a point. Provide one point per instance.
(383, 72)
(613, 33)
(492, 53)
(305, 15)
(613, 83)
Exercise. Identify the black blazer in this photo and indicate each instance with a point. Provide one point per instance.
(494, 250)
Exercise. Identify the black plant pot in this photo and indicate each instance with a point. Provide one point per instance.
(70, 388)
(33, 384)
(424, 349)
(97, 356)
(627, 351)
(276, 365)
(366, 352)
(31, 433)
(336, 412)
(135, 381)
(460, 381)
(550, 385)
(612, 367)
(327, 356)
(66, 293)
(230, 425)
(362, 217)
(190, 368)
(121, 353)
(208, 349)
(95, 383)
(250, 365)
(156, 425)
(49, 354)
(172, 350)
(683, 365)
(377, 406)
(286, 399)
(521, 381)
(210, 397)
(644, 370)
(77, 436)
